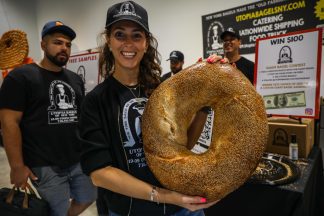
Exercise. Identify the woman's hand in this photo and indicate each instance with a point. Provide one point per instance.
(193, 203)
(196, 203)
(215, 58)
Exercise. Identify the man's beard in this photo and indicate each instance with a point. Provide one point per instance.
(176, 70)
(56, 60)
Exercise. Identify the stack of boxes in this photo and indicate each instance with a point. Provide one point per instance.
(280, 130)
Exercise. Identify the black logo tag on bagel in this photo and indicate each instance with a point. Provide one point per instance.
(127, 9)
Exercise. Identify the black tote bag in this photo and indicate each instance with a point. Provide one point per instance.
(14, 202)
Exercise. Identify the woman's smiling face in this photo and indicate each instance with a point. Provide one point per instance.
(128, 44)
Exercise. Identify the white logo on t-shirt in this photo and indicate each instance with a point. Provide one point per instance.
(136, 106)
(62, 107)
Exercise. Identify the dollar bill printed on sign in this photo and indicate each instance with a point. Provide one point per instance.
(285, 100)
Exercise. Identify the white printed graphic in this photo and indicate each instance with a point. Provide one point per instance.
(62, 99)
(134, 106)
(213, 38)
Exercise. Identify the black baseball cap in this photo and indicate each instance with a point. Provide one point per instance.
(230, 31)
(127, 10)
(176, 56)
(57, 26)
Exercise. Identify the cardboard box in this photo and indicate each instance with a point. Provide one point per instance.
(280, 130)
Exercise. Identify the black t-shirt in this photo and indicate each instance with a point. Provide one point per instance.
(50, 103)
(133, 101)
(247, 68)
(166, 76)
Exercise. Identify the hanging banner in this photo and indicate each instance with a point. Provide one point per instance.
(86, 66)
(288, 73)
(259, 20)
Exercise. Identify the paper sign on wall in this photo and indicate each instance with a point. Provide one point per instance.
(86, 66)
(288, 73)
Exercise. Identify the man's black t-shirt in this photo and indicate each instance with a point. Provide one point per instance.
(50, 103)
(247, 68)
(166, 76)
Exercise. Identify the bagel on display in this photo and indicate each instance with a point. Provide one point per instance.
(239, 133)
(13, 49)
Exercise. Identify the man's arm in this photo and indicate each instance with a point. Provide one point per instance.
(196, 127)
(12, 141)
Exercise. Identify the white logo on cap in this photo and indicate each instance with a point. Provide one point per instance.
(127, 9)
(230, 29)
(174, 54)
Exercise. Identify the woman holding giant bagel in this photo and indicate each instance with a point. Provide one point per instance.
(239, 132)
(110, 122)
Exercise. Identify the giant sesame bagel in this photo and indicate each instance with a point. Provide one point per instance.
(239, 134)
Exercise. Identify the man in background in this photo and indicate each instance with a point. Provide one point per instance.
(176, 62)
(231, 45)
(39, 134)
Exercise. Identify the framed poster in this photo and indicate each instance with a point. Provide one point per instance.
(86, 66)
(287, 73)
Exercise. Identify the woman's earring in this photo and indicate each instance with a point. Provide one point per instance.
(110, 49)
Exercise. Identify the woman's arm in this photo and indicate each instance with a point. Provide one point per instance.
(121, 182)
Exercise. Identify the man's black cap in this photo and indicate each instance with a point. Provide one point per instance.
(176, 56)
(230, 31)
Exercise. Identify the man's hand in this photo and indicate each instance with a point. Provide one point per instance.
(19, 176)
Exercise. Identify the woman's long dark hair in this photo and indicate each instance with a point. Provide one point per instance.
(150, 69)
